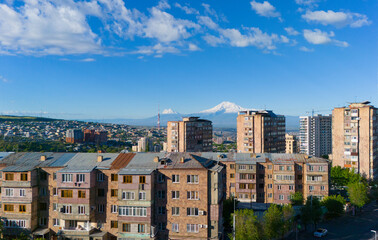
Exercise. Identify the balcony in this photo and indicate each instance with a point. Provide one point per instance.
(18, 184)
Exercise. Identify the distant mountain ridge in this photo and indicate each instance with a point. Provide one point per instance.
(223, 116)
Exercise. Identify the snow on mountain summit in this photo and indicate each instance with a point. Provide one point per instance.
(226, 107)
(168, 111)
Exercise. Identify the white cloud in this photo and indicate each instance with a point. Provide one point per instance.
(305, 49)
(158, 50)
(339, 19)
(284, 39)
(207, 21)
(164, 27)
(40, 27)
(291, 31)
(88, 60)
(186, 9)
(193, 47)
(213, 40)
(252, 37)
(265, 9)
(3, 79)
(317, 37)
(307, 2)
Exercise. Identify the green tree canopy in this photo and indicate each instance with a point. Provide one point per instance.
(311, 211)
(273, 222)
(247, 227)
(297, 199)
(358, 193)
(334, 204)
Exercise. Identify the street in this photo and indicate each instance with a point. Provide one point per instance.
(348, 227)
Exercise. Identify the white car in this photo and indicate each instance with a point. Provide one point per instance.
(320, 232)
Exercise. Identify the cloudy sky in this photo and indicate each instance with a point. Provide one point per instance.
(114, 58)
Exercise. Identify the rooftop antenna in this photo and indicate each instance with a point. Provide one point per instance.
(158, 120)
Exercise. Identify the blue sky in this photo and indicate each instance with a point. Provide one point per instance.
(114, 58)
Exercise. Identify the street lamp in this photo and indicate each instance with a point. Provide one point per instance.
(375, 234)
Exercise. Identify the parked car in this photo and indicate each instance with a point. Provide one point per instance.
(320, 232)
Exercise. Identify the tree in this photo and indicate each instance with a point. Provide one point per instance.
(288, 217)
(247, 227)
(297, 199)
(358, 193)
(334, 204)
(341, 177)
(311, 212)
(273, 222)
(228, 210)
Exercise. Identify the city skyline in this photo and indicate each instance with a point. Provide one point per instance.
(110, 59)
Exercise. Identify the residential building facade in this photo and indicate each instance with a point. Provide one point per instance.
(192, 134)
(355, 138)
(260, 132)
(315, 135)
(291, 143)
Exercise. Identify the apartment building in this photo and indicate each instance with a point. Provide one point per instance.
(315, 135)
(110, 196)
(273, 177)
(291, 143)
(74, 136)
(192, 134)
(355, 138)
(260, 132)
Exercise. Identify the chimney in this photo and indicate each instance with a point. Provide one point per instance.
(182, 160)
(99, 158)
(156, 159)
(43, 158)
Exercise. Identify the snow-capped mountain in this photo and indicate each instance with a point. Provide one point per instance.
(168, 111)
(224, 107)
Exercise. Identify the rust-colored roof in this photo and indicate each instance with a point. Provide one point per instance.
(122, 160)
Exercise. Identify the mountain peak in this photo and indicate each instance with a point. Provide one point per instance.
(168, 111)
(226, 107)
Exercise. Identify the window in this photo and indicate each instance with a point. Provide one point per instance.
(322, 188)
(261, 167)
(132, 211)
(314, 178)
(192, 179)
(127, 179)
(281, 168)
(261, 176)
(9, 176)
(43, 221)
(43, 176)
(251, 176)
(192, 228)
(114, 192)
(101, 192)
(270, 185)
(42, 191)
(81, 194)
(285, 177)
(67, 209)
(101, 208)
(300, 186)
(270, 195)
(114, 177)
(299, 167)
(141, 228)
(291, 187)
(175, 178)
(242, 186)
(311, 188)
(242, 167)
(288, 168)
(8, 208)
(161, 178)
(162, 226)
(175, 211)
(142, 195)
(232, 166)
(261, 185)
(250, 167)
(300, 177)
(22, 208)
(126, 227)
(55, 206)
(142, 179)
(54, 176)
(161, 210)
(311, 168)
(192, 195)
(66, 193)
(321, 169)
(175, 194)
(281, 197)
(9, 192)
(22, 193)
(279, 187)
(114, 208)
(81, 209)
(80, 178)
(100, 177)
(270, 166)
(114, 224)
(242, 175)
(251, 186)
(55, 192)
(66, 177)
(192, 211)
(232, 175)
(24, 176)
(56, 222)
(175, 227)
(161, 194)
(128, 195)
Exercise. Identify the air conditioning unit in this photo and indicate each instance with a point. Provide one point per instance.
(202, 212)
(203, 226)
